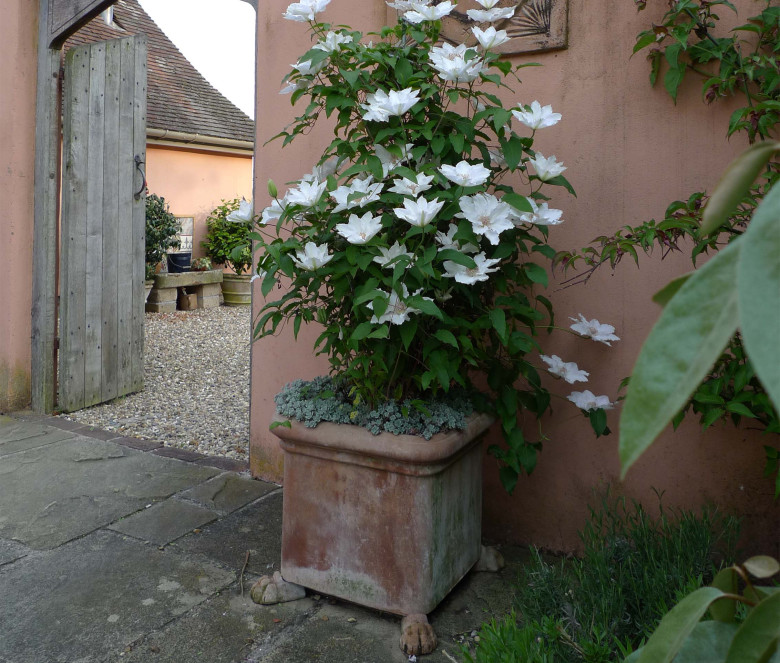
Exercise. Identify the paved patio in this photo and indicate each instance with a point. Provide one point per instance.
(118, 549)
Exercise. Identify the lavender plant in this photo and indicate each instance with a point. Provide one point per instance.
(409, 242)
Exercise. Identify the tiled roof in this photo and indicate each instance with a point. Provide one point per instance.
(178, 97)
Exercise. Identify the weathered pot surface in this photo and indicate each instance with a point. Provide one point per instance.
(392, 522)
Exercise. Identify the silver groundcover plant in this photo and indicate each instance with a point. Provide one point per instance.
(419, 241)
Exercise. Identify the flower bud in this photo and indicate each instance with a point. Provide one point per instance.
(272, 190)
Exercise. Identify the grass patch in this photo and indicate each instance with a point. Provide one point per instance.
(602, 606)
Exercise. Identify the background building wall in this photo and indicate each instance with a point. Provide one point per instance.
(630, 151)
(193, 183)
(18, 40)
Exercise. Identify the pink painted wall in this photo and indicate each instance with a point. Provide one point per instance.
(18, 39)
(630, 152)
(194, 182)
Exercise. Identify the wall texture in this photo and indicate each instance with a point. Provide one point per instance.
(194, 182)
(630, 151)
(18, 39)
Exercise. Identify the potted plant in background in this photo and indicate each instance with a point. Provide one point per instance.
(200, 265)
(227, 243)
(162, 228)
(410, 247)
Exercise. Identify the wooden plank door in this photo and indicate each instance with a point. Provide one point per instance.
(103, 223)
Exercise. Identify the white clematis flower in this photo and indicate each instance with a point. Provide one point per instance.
(567, 370)
(306, 194)
(422, 11)
(357, 193)
(407, 187)
(602, 333)
(360, 229)
(389, 160)
(300, 84)
(382, 105)
(398, 311)
(323, 171)
(312, 257)
(537, 116)
(243, 214)
(332, 42)
(465, 174)
(405, 5)
(490, 15)
(451, 64)
(586, 400)
(306, 68)
(490, 37)
(488, 4)
(470, 275)
(274, 211)
(489, 216)
(389, 255)
(547, 167)
(447, 241)
(542, 215)
(419, 212)
(304, 11)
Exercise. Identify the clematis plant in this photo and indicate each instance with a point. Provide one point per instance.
(419, 242)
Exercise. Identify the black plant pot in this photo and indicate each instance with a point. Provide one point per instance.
(179, 262)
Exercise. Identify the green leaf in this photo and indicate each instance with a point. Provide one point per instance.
(446, 336)
(676, 73)
(739, 408)
(284, 424)
(498, 318)
(518, 202)
(408, 330)
(403, 71)
(361, 331)
(536, 273)
(663, 296)
(757, 638)
(708, 643)
(758, 287)
(725, 610)
(691, 334)
(677, 625)
(457, 257)
(513, 152)
(735, 184)
(429, 308)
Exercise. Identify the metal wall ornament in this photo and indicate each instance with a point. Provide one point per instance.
(537, 25)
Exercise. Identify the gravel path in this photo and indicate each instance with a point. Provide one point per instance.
(196, 384)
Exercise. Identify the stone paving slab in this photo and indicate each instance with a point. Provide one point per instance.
(94, 597)
(10, 550)
(164, 522)
(228, 492)
(223, 629)
(257, 528)
(52, 494)
(18, 436)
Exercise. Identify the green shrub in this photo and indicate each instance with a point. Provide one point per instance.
(227, 242)
(604, 605)
(162, 227)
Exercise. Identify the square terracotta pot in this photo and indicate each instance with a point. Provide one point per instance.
(391, 522)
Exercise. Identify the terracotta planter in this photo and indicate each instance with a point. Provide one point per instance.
(237, 289)
(389, 522)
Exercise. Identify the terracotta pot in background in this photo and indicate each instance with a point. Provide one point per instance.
(237, 289)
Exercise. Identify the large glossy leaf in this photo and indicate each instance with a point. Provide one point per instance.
(757, 638)
(708, 643)
(762, 566)
(735, 183)
(690, 335)
(758, 285)
(677, 625)
(726, 581)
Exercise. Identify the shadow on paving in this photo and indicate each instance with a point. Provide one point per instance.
(113, 554)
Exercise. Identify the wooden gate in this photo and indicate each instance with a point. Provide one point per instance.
(103, 223)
